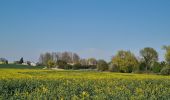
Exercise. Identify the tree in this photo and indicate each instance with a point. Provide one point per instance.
(92, 61)
(167, 54)
(165, 70)
(156, 67)
(113, 68)
(125, 61)
(21, 60)
(102, 65)
(44, 58)
(3, 61)
(149, 56)
(83, 62)
(75, 58)
(61, 64)
(51, 64)
(66, 56)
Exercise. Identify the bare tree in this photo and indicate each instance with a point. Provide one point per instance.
(83, 62)
(66, 57)
(44, 58)
(75, 58)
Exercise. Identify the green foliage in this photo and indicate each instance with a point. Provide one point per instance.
(165, 70)
(125, 61)
(102, 65)
(67, 67)
(142, 66)
(156, 67)
(61, 64)
(149, 56)
(113, 68)
(167, 54)
(77, 66)
(92, 61)
(51, 64)
(79, 85)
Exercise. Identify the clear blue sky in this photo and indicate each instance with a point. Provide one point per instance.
(92, 28)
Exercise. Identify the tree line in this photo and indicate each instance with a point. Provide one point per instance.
(123, 61)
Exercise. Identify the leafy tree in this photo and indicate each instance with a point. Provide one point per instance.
(149, 56)
(165, 70)
(113, 68)
(125, 61)
(51, 64)
(156, 67)
(163, 63)
(92, 61)
(142, 66)
(102, 65)
(167, 54)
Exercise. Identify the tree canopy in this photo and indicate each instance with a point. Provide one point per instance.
(149, 56)
(125, 61)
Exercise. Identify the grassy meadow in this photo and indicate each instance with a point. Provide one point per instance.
(34, 83)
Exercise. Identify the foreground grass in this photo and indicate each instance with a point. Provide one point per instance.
(76, 85)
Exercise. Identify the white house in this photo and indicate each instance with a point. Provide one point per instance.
(33, 64)
(29, 63)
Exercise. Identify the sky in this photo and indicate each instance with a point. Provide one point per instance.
(91, 28)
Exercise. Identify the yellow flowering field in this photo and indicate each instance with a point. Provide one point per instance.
(37, 84)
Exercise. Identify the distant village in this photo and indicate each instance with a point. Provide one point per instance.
(21, 61)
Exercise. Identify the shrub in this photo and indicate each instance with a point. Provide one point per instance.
(77, 66)
(91, 67)
(16, 62)
(165, 70)
(102, 65)
(68, 66)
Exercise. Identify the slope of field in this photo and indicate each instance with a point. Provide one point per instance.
(16, 83)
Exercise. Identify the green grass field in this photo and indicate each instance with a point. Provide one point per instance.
(26, 82)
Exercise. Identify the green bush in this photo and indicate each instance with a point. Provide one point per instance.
(156, 67)
(165, 70)
(77, 66)
(102, 65)
(68, 67)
